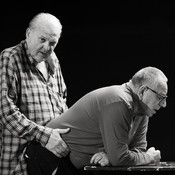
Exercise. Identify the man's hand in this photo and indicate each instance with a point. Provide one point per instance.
(155, 154)
(100, 158)
(56, 145)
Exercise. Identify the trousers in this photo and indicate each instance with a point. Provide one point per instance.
(40, 161)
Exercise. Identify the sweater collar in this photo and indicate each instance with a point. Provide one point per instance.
(140, 108)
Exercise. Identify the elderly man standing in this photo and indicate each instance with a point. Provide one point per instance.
(32, 92)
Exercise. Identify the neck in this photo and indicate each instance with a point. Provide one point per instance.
(132, 87)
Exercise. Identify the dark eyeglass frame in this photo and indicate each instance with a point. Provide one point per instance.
(161, 97)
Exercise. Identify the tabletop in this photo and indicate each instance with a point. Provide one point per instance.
(166, 167)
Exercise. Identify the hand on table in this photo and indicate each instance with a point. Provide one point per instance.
(155, 154)
(100, 158)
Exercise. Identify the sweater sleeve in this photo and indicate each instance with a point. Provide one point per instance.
(115, 126)
(139, 142)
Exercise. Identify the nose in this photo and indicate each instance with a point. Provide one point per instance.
(163, 103)
(47, 46)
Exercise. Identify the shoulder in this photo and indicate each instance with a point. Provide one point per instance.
(12, 57)
(115, 94)
(12, 52)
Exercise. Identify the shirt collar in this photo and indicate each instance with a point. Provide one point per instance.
(32, 61)
(52, 62)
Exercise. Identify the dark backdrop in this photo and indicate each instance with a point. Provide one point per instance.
(104, 44)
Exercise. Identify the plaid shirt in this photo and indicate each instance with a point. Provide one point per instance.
(27, 103)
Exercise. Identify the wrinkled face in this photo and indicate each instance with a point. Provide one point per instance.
(154, 98)
(41, 41)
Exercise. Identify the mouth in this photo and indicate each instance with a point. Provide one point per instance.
(44, 55)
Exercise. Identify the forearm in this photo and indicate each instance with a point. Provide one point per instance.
(134, 154)
(140, 158)
(20, 126)
(127, 157)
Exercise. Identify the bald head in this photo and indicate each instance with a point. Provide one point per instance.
(47, 21)
(151, 76)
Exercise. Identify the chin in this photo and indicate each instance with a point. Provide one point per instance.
(40, 59)
(150, 113)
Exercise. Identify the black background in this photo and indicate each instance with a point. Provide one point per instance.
(105, 43)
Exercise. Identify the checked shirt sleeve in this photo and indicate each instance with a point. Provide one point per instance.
(20, 126)
(12, 119)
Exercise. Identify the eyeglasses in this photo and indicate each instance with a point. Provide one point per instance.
(159, 96)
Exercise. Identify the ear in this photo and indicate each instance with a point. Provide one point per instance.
(141, 91)
(27, 32)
